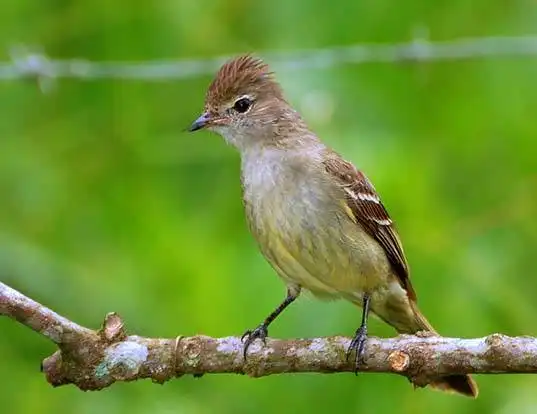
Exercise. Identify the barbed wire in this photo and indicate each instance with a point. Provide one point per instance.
(26, 64)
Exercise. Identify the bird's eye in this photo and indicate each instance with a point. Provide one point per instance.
(242, 105)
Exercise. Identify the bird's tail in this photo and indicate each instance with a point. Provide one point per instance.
(462, 384)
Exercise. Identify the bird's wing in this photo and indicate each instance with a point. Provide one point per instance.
(366, 209)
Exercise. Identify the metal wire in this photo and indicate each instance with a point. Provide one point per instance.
(27, 64)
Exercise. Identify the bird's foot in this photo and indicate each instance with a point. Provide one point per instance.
(358, 346)
(261, 332)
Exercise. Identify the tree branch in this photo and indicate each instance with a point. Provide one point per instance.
(93, 360)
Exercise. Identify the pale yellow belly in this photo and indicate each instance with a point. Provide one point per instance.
(332, 271)
(338, 260)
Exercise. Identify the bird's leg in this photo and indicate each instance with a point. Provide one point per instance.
(261, 331)
(360, 337)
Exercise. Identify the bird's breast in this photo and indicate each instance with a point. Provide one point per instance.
(303, 227)
(286, 211)
(286, 197)
(298, 217)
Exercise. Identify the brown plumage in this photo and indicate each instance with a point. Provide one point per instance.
(238, 75)
(317, 219)
(372, 215)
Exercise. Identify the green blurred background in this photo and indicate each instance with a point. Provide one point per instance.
(107, 205)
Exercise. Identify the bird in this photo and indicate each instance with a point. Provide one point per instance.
(316, 218)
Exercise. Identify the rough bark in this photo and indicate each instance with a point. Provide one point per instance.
(93, 360)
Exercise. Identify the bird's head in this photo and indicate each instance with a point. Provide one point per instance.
(245, 104)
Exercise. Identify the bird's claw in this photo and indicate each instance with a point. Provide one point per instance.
(358, 346)
(261, 332)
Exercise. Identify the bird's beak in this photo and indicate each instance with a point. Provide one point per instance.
(200, 123)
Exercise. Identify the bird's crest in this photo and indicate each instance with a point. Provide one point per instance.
(243, 74)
